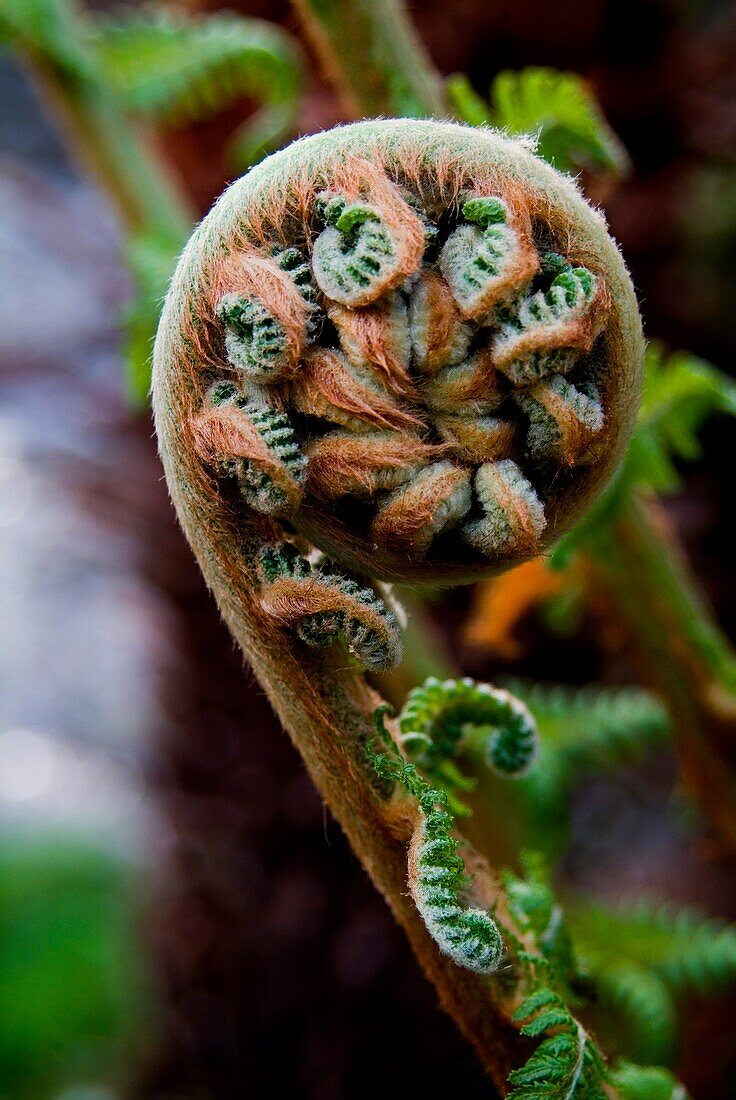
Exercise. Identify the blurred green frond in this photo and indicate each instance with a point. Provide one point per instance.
(465, 101)
(165, 63)
(687, 950)
(580, 729)
(593, 726)
(641, 1009)
(43, 29)
(558, 109)
(680, 393)
(646, 1083)
(151, 264)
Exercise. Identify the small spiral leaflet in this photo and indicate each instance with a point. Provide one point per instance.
(322, 605)
(440, 712)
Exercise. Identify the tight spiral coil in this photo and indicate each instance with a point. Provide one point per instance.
(413, 341)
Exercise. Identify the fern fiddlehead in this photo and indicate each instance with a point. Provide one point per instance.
(375, 281)
(329, 376)
(439, 714)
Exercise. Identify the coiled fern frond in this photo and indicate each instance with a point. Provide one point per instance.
(322, 605)
(440, 714)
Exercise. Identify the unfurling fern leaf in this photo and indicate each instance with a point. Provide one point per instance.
(485, 260)
(322, 605)
(547, 329)
(166, 63)
(441, 714)
(438, 714)
(539, 919)
(467, 935)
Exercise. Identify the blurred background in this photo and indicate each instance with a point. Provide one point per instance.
(179, 916)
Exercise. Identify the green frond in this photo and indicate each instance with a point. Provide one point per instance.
(465, 101)
(322, 605)
(687, 950)
(558, 108)
(567, 1063)
(538, 918)
(166, 63)
(356, 256)
(437, 880)
(441, 716)
(562, 110)
(42, 28)
(588, 729)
